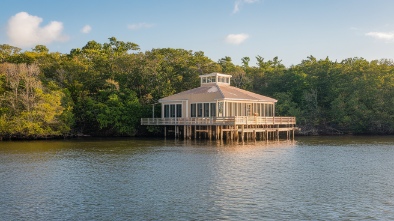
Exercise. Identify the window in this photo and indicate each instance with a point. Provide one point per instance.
(166, 111)
(269, 110)
(213, 109)
(179, 110)
(172, 110)
(248, 110)
(199, 110)
(220, 109)
(193, 110)
(206, 109)
(223, 79)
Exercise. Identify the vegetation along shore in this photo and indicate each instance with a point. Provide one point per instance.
(103, 89)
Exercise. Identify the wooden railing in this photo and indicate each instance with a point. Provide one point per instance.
(243, 120)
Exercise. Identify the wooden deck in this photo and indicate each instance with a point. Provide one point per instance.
(217, 121)
(234, 128)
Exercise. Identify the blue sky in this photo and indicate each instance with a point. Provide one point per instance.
(289, 29)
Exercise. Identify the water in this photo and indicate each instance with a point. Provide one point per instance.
(314, 178)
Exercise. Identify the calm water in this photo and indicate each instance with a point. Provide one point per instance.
(314, 178)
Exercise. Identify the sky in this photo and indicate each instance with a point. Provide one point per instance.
(289, 29)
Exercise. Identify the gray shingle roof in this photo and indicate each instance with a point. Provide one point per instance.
(222, 91)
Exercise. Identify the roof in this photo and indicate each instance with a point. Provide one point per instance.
(221, 92)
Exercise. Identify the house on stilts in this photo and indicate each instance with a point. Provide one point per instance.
(220, 111)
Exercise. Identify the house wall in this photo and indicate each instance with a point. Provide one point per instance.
(174, 104)
(229, 108)
(189, 99)
(222, 108)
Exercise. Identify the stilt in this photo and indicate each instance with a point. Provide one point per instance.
(293, 134)
(266, 133)
(287, 135)
(254, 135)
(217, 132)
(242, 133)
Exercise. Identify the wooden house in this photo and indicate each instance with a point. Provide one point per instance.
(217, 109)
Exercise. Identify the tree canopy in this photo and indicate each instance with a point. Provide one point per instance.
(104, 89)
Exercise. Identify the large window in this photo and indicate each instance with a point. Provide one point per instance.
(203, 110)
(179, 110)
(166, 111)
(220, 109)
(248, 109)
(269, 110)
(193, 110)
(172, 110)
(213, 109)
(206, 109)
(199, 110)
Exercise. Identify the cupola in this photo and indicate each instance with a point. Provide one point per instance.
(215, 78)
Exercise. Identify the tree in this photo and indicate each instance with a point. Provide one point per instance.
(28, 109)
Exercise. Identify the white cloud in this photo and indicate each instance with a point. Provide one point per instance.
(236, 39)
(24, 30)
(388, 36)
(239, 3)
(86, 29)
(139, 26)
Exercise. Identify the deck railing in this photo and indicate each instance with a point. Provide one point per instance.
(242, 120)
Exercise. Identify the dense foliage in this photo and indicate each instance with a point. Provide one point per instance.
(104, 89)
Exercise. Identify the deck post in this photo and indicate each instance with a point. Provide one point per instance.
(293, 134)
(254, 135)
(217, 132)
(266, 135)
(242, 133)
(236, 133)
(288, 134)
(165, 131)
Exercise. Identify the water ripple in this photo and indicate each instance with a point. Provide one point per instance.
(129, 179)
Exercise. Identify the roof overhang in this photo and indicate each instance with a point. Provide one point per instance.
(169, 101)
(246, 100)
